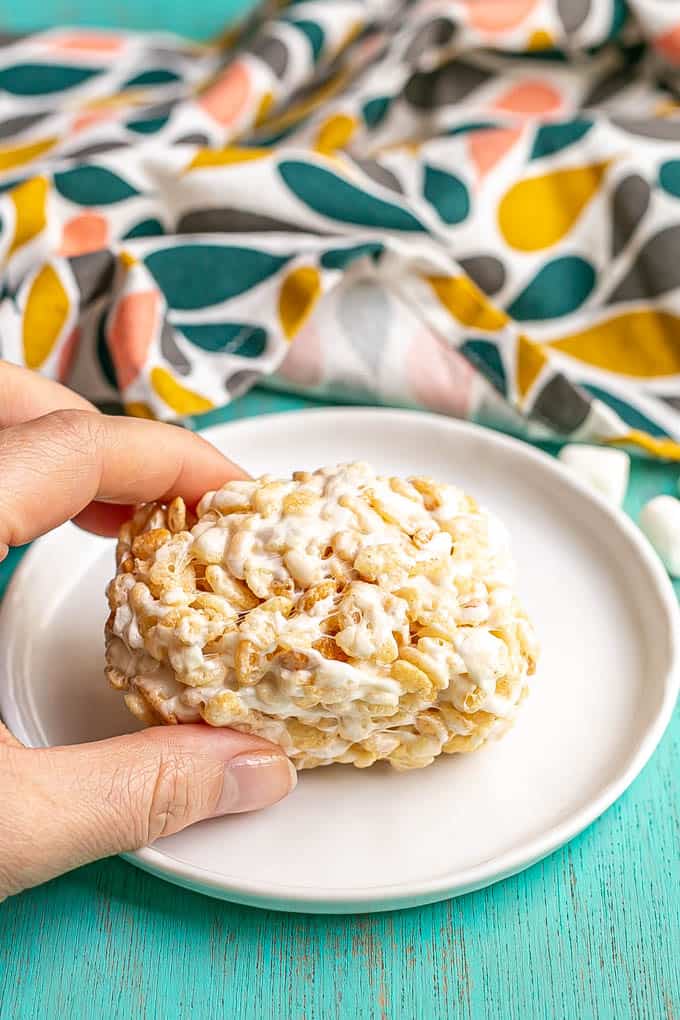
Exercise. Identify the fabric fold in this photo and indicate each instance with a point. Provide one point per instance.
(468, 207)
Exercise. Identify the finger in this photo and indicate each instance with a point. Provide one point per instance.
(7, 738)
(25, 395)
(71, 805)
(54, 467)
(103, 518)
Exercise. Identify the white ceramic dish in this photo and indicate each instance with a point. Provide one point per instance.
(374, 840)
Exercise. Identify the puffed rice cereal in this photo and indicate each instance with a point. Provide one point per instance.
(346, 616)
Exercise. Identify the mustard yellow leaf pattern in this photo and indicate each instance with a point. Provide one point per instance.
(127, 259)
(30, 208)
(530, 361)
(18, 155)
(382, 154)
(299, 292)
(138, 409)
(335, 133)
(466, 303)
(537, 212)
(176, 396)
(539, 40)
(667, 449)
(642, 344)
(226, 157)
(263, 109)
(45, 313)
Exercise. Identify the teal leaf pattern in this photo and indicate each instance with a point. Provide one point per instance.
(486, 357)
(472, 125)
(552, 138)
(375, 110)
(340, 258)
(669, 177)
(559, 287)
(447, 194)
(43, 79)
(314, 34)
(631, 415)
(345, 230)
(197, 275)
(239, 338)
(332, 196)
(93, 185)
(145, 228)
(154, 76)
(147, 127)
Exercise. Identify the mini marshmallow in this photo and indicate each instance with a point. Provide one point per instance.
(604, 469)
(660, 521)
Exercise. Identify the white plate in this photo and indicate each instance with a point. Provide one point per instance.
(377, 839)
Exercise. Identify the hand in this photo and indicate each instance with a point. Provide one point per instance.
(64, 806)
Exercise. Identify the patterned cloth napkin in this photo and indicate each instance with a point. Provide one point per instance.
(471, 206)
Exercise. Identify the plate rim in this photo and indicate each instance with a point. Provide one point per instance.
(420, 891)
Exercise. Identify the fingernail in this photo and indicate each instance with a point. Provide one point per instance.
(253, 781)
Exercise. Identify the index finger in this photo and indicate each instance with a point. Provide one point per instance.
(55, 466)
(25, 394)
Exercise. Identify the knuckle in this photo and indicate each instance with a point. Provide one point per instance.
(170, 802)
(57, 449)
(70, 426)
(14, 839)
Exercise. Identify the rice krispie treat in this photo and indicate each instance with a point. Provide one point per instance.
(346, 616)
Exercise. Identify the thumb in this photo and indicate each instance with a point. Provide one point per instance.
(66, 806)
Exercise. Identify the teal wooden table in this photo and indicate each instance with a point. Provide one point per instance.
(199, 20)
(592, 932)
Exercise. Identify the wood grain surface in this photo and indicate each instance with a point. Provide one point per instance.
(591, 933)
